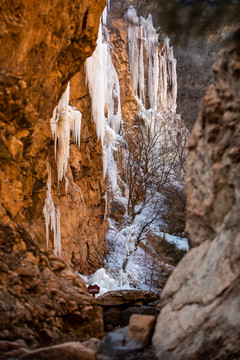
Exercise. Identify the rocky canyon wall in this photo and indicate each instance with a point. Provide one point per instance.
(42, 46)
(200, 303)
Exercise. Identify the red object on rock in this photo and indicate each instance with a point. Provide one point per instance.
(93, 290)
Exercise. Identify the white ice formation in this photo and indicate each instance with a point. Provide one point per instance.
(104, 281)
(52, 216)
(161, 91)
(65, 120)
(104, 89)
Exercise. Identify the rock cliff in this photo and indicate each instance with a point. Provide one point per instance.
(200, 314)
(42, 46)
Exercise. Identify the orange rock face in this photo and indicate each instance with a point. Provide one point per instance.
(43, 44)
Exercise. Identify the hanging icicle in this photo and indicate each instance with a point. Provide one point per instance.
(65, 120)
(104, 89)
(161, 66)
(52, 217)
(95, 78)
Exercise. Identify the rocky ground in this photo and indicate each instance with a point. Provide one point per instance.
(41, 300)
(130, 315)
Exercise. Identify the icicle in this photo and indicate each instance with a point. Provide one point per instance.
(64, 121)
(161, 68)
(141, 79)
(76, 119)
(95, 77)
(133, 29)
(104, 90)
(52, 217)
(66, 184)
(113, 96)
(49, 209)
(57, 234)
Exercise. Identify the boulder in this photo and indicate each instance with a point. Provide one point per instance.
(13, 349)
(142, 310)
(70, 351)
(111, 318)
(118, 346)
(141, 327)
(124, 297)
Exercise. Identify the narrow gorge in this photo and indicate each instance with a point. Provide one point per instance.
(94, 162)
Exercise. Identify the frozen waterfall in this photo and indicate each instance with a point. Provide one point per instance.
(144, 48)
(104, 89)
(65, 120)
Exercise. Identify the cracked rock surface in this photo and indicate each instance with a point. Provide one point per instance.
(200, 313)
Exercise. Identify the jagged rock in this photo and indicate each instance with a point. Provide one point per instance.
(40, 304)
(117, 210)
(70, 351)
(91, 344)
(118, 346)
(141, 327)
(143, 310)
(111, 318)
(14, 349)
(201, 308)
(123, 297)
(41, 300)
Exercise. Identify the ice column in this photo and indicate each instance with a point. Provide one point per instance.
(52, 217)
(161, 66)
(104, 89)
(65, 120)
(96, 78)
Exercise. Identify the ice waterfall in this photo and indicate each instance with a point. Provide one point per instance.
(65, 120)
(143, 42)
(104, 89)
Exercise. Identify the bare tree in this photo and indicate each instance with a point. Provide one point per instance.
(153, 168)
(148, 162)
